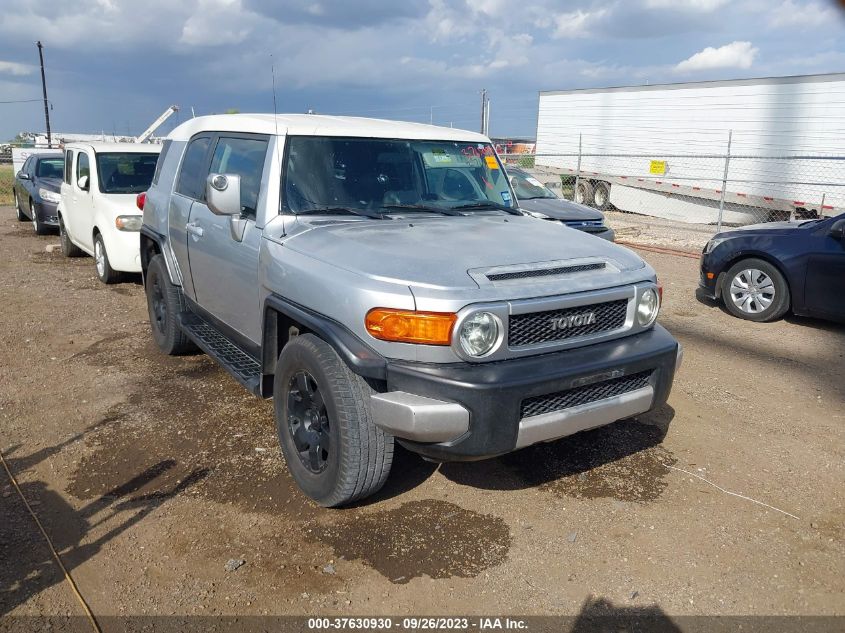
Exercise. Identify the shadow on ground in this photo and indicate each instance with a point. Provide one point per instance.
(29, 567)
(623, 461)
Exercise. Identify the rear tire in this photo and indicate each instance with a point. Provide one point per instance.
(164, 302)
(105, 272)
(601, 196)
(69, 249)
(584, 193)
(333, 450)
(753, 289)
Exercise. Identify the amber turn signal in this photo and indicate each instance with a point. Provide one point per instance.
(410, 326)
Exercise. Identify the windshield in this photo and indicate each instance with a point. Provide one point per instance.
(526, 187)
(130, 172)
(50, 168)
(367, 175)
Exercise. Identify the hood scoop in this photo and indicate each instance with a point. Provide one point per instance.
(578, 269)
(557, 271)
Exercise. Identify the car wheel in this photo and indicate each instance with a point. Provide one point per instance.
(754, 289)
(164, 302)
(601, 196)
(21, 215)
(584, 193)
(333, 450)
(105, 272)
(69, 249)
(38, 225)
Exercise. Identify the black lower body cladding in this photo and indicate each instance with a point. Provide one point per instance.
(493, 392)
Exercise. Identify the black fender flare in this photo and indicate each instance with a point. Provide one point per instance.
(359, 357)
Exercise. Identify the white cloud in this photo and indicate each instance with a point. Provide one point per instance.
(733, 55)
(705, 6)
(14, 68)
(794, 15)
(576, 23)
(218, 22)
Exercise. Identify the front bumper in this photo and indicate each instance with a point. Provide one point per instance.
(469, 411)
(708, 281)
(46, 213)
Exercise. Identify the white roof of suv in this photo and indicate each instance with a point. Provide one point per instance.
(321, 125)
(97, 146)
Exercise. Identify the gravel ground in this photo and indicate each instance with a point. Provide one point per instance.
(153, 475)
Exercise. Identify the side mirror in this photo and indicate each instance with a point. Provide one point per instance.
(23, 176)
(83, 183)
(837, 230)
(223, 194)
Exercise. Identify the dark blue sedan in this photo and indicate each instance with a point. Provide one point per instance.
(36, 191)
(760, 272)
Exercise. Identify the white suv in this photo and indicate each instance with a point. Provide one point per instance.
(98, 213)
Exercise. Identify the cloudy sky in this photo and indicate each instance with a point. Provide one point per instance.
(114, 65)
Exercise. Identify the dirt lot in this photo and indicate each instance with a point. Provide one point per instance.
(150, 473)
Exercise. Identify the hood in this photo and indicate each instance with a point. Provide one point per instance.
(50, 184)
(445, 253)
(561, 209)
(766, 227)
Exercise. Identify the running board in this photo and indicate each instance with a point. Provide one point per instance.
(243, 367)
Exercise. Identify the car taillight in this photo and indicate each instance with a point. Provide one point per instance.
(141, 200)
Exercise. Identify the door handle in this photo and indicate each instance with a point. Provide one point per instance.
(194, 229)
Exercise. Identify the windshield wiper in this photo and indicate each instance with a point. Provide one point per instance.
(537, 197)
(488, 204)
(336, 210)
(420, 207)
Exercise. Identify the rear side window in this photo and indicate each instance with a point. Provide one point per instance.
(245, 158)
(68, 168)
(192, 173)
(165, 146)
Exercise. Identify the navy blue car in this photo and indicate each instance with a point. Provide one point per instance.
(36, 191)
(760, 272)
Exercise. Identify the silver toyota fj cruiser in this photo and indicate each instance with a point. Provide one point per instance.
(376, 280)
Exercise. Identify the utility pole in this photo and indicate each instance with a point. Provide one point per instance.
(44, 89)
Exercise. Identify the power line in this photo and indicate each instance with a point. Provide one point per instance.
(21, 101)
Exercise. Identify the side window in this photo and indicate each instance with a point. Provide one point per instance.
(68, 163)
(82, 166)
(244, 157)
(165, 146)
(192, 175)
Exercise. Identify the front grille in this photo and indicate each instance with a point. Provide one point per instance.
(561, 400)
(546, 272)
(542, 327)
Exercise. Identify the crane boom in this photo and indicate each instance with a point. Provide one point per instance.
(146, 134)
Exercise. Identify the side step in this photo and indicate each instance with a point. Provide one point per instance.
(245, 369)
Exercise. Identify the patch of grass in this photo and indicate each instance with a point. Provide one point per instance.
(7, 177)
(525, 161)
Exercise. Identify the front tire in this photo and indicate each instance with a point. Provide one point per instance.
(333, 450)
(38, 225)
(105, 272)
(69, 249)
(21, 215)
(755, 290)
(164, 302)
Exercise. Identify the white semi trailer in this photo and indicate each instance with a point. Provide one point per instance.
(662, 150)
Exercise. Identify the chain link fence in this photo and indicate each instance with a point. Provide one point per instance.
(697, 194)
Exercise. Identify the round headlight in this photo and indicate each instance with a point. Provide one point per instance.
(479, 334)
(648, 307)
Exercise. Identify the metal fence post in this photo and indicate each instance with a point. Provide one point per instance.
(724, 183)
(577, 170)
